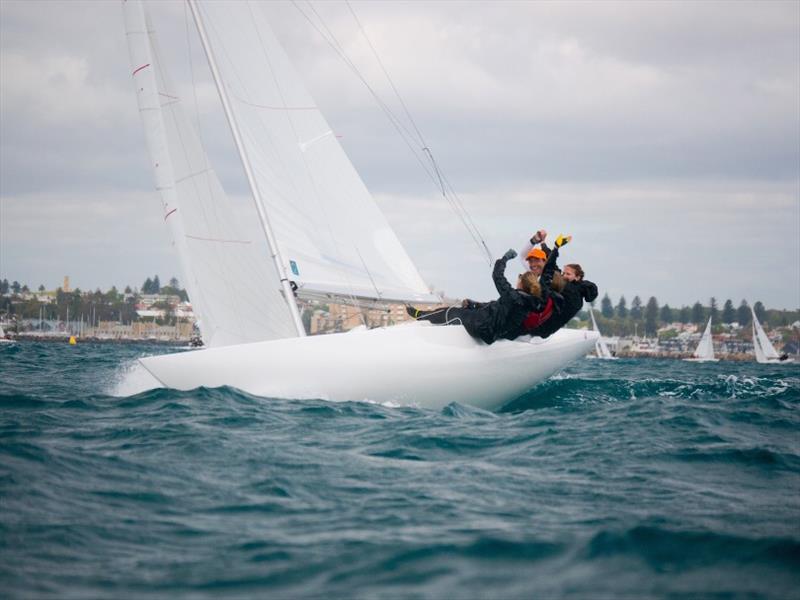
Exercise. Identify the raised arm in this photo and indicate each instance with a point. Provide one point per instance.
(536, 238)
(548, 271)
(499, 274)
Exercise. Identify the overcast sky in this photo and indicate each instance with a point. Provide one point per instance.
(665, 136)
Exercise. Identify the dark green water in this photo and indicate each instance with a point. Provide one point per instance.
(616, 479)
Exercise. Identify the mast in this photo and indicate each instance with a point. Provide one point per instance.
(248, 169)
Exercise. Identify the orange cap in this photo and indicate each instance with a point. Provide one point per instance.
(536, 253)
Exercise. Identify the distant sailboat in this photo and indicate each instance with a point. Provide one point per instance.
(600, 348)
(325, 238)
(3, 338)
(764, 350)
(705, 349)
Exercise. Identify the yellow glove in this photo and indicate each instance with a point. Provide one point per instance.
(563, 240)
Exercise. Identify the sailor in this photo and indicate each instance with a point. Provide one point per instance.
(576, 290)
(532, 257)
(506, 316)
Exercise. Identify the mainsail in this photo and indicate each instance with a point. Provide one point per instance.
(332, 238)
(231, 282)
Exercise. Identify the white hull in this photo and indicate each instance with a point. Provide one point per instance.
(774, 361)
(415, 364)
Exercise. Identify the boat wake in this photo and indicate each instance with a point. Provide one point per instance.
(131, 378)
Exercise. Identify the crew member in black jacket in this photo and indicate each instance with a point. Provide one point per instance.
(501, 318)
(574, 293)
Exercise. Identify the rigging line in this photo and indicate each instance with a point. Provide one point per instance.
(455, 195)
(386, 73)
(398, 125)
(456, 205)
(411, 120)
(330, 38)
(458, 208)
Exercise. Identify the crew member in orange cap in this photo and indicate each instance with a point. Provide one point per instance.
(534, 258)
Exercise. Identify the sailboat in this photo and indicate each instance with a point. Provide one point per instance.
(705, 349)
(3, 338)
(764, 350)
(323, 237)
(600, 348)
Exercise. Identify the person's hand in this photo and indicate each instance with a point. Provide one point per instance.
(563, 240)
(467, 303)
(511, 253)
(539, 236)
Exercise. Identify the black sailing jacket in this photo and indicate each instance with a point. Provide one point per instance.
(501, 318)
(574, 293)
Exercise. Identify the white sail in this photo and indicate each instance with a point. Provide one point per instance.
(331, 235)
(705, 349)
(232, 283)
(764, 350)
(601, 348)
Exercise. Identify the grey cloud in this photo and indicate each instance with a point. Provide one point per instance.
(582, 115)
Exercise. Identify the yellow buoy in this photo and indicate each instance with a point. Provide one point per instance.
(72, 340)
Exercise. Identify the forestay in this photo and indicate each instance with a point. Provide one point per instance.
(233, 285)
(331, 236)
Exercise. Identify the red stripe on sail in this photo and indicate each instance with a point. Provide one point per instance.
(140, 68)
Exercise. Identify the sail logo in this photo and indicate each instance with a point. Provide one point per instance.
(293, 266)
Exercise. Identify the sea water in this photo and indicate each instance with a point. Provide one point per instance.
(637, 478)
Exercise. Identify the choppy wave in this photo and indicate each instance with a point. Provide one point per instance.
(629, 479)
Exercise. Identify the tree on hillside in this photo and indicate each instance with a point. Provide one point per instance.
(173, 283)
(651, 316)
(636, 308)
(743, 313)
(147, 286)
(622, 308)
(728, 312)
(156, 285)
(25, 289)
(713, 311)
(667, 314)
(698, 313)
(41, 288)
(606, 308)
(16, 287)
(685, 315)
(761, 312)
(4, 286)
(128, 289)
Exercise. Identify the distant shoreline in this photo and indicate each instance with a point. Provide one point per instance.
(64, 339)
